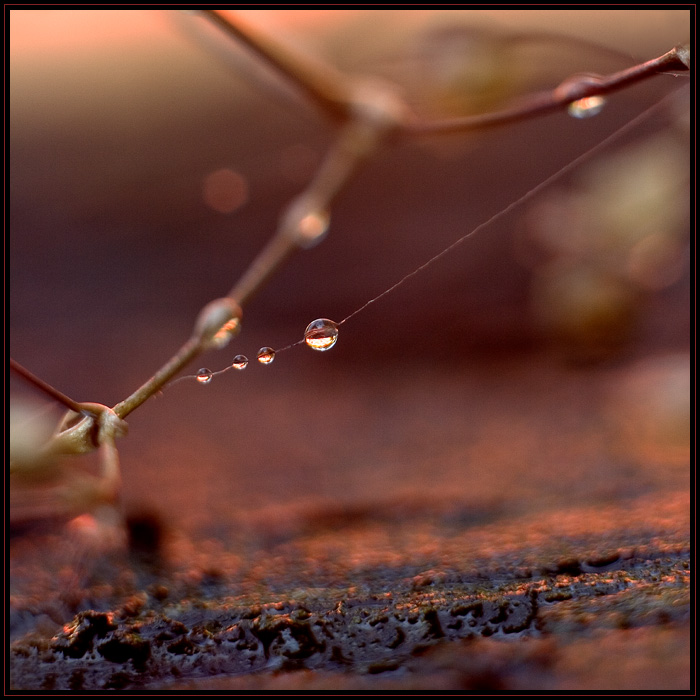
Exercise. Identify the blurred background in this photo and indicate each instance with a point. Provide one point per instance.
(544, 361)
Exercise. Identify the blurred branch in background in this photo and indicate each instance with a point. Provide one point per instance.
(371, 112)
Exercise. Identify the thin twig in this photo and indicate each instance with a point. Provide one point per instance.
(560, 98)
(368, 115)
(357, 140)
(322, 84)
(354, 143)
(47, 389)
(186, 353)
(525, 197)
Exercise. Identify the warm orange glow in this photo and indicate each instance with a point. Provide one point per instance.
(70, 31)
(298, 18)
(587, 106)
(84, 524)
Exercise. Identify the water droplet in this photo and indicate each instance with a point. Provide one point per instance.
(266, 356)
(312, 228)
(321, 334)
(204, 375)
(239, 362)
(587, 107)
(218, 322)
(306, 221)
(229, 330)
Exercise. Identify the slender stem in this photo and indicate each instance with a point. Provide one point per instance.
(46, 388)
(322, 84)
(268, 260)
(532, 192)
(551, 101)
(187, 352)
(354, 143)
(358, 139)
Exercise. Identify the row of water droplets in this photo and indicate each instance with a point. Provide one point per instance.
(322, 334)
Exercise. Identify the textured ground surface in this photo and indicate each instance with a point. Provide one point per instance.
(538, 560)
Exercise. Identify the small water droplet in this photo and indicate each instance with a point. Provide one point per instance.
(306, 221)
(204, 375)
(312, 228)
(239, 362)
(587, 107)
(266, 356)
(321, 334)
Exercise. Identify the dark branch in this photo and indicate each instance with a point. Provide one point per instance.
(320, 83)
(572, 89)
(44, 387)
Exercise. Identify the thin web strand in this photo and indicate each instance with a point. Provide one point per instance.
(290, 346)
(635, 121)
(523, 198)
(194, 376)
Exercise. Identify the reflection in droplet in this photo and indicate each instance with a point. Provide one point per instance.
(321, 334)
(239, 362)
(218, 322)
(587, 107)
(204, 375)
(229, 330)
(266, 356)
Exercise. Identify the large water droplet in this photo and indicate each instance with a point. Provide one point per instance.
(321, 334)
(587, 107)
(266, 356)
(204, 375)
(239, 362)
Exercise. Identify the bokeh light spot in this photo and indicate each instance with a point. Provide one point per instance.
(225, 190)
